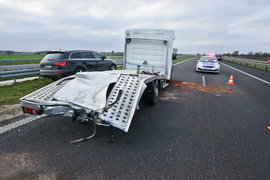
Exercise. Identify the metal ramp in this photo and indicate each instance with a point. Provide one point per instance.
(45, 94)
(119, 110)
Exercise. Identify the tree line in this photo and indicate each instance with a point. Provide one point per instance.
(250, 55)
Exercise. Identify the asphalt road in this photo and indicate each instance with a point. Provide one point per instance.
(217, 131)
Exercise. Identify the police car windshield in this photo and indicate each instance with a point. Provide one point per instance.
(208, 59)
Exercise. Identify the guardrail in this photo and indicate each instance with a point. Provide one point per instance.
(23, 72)
(248, 62)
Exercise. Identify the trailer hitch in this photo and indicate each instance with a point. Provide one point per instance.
(94, 129)
(93, 118)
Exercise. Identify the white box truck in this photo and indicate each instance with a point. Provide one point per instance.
(110, 97)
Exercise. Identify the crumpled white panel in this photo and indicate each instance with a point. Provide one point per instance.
(88, 89)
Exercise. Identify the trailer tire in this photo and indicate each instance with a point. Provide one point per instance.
(153, 94)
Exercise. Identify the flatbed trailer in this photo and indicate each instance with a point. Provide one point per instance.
(110, 98)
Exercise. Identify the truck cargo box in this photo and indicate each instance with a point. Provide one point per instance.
(149, 50)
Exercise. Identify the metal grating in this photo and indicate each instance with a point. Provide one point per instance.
(46, 93)
(121, 112)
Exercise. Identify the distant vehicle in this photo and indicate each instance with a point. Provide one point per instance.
(208, 64)
(219, 57)
(174, 56)
(58, 64)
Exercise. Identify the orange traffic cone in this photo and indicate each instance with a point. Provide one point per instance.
(231, 80)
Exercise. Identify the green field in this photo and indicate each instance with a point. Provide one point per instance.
(20, 56)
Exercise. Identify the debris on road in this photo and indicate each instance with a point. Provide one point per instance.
(200, 87)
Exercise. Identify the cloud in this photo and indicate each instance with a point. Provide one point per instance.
(225, 26)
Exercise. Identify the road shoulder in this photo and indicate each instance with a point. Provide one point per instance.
(10, 111)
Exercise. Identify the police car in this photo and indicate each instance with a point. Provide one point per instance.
(208, 64)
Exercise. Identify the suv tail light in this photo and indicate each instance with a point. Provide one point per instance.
(62, 63)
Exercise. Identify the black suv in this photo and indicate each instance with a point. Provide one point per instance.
(58, 64)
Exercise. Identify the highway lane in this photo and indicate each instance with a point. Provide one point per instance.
(216, 132)
(237, 122)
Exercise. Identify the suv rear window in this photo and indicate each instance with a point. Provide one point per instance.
(52, 57)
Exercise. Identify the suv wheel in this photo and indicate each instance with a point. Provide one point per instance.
(79, 70)
(113, 67)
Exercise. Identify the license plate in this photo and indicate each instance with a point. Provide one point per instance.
(48, 66)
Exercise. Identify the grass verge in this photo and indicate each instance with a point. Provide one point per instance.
(21, 56)
(10, 94)
(250, 65)
(257, 67)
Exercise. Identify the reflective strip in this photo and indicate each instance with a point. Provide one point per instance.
(17, 124)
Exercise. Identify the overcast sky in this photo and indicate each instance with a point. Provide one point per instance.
(201, 26)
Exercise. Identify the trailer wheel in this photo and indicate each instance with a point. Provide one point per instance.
(153, 94)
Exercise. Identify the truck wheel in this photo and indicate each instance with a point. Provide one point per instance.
(153, 94)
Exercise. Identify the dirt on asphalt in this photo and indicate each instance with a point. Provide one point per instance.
(200, 87)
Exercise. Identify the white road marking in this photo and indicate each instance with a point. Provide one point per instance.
(203, 81)
(17, 124)
(266, 82)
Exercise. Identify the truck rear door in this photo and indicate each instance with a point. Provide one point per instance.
(146, 54)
